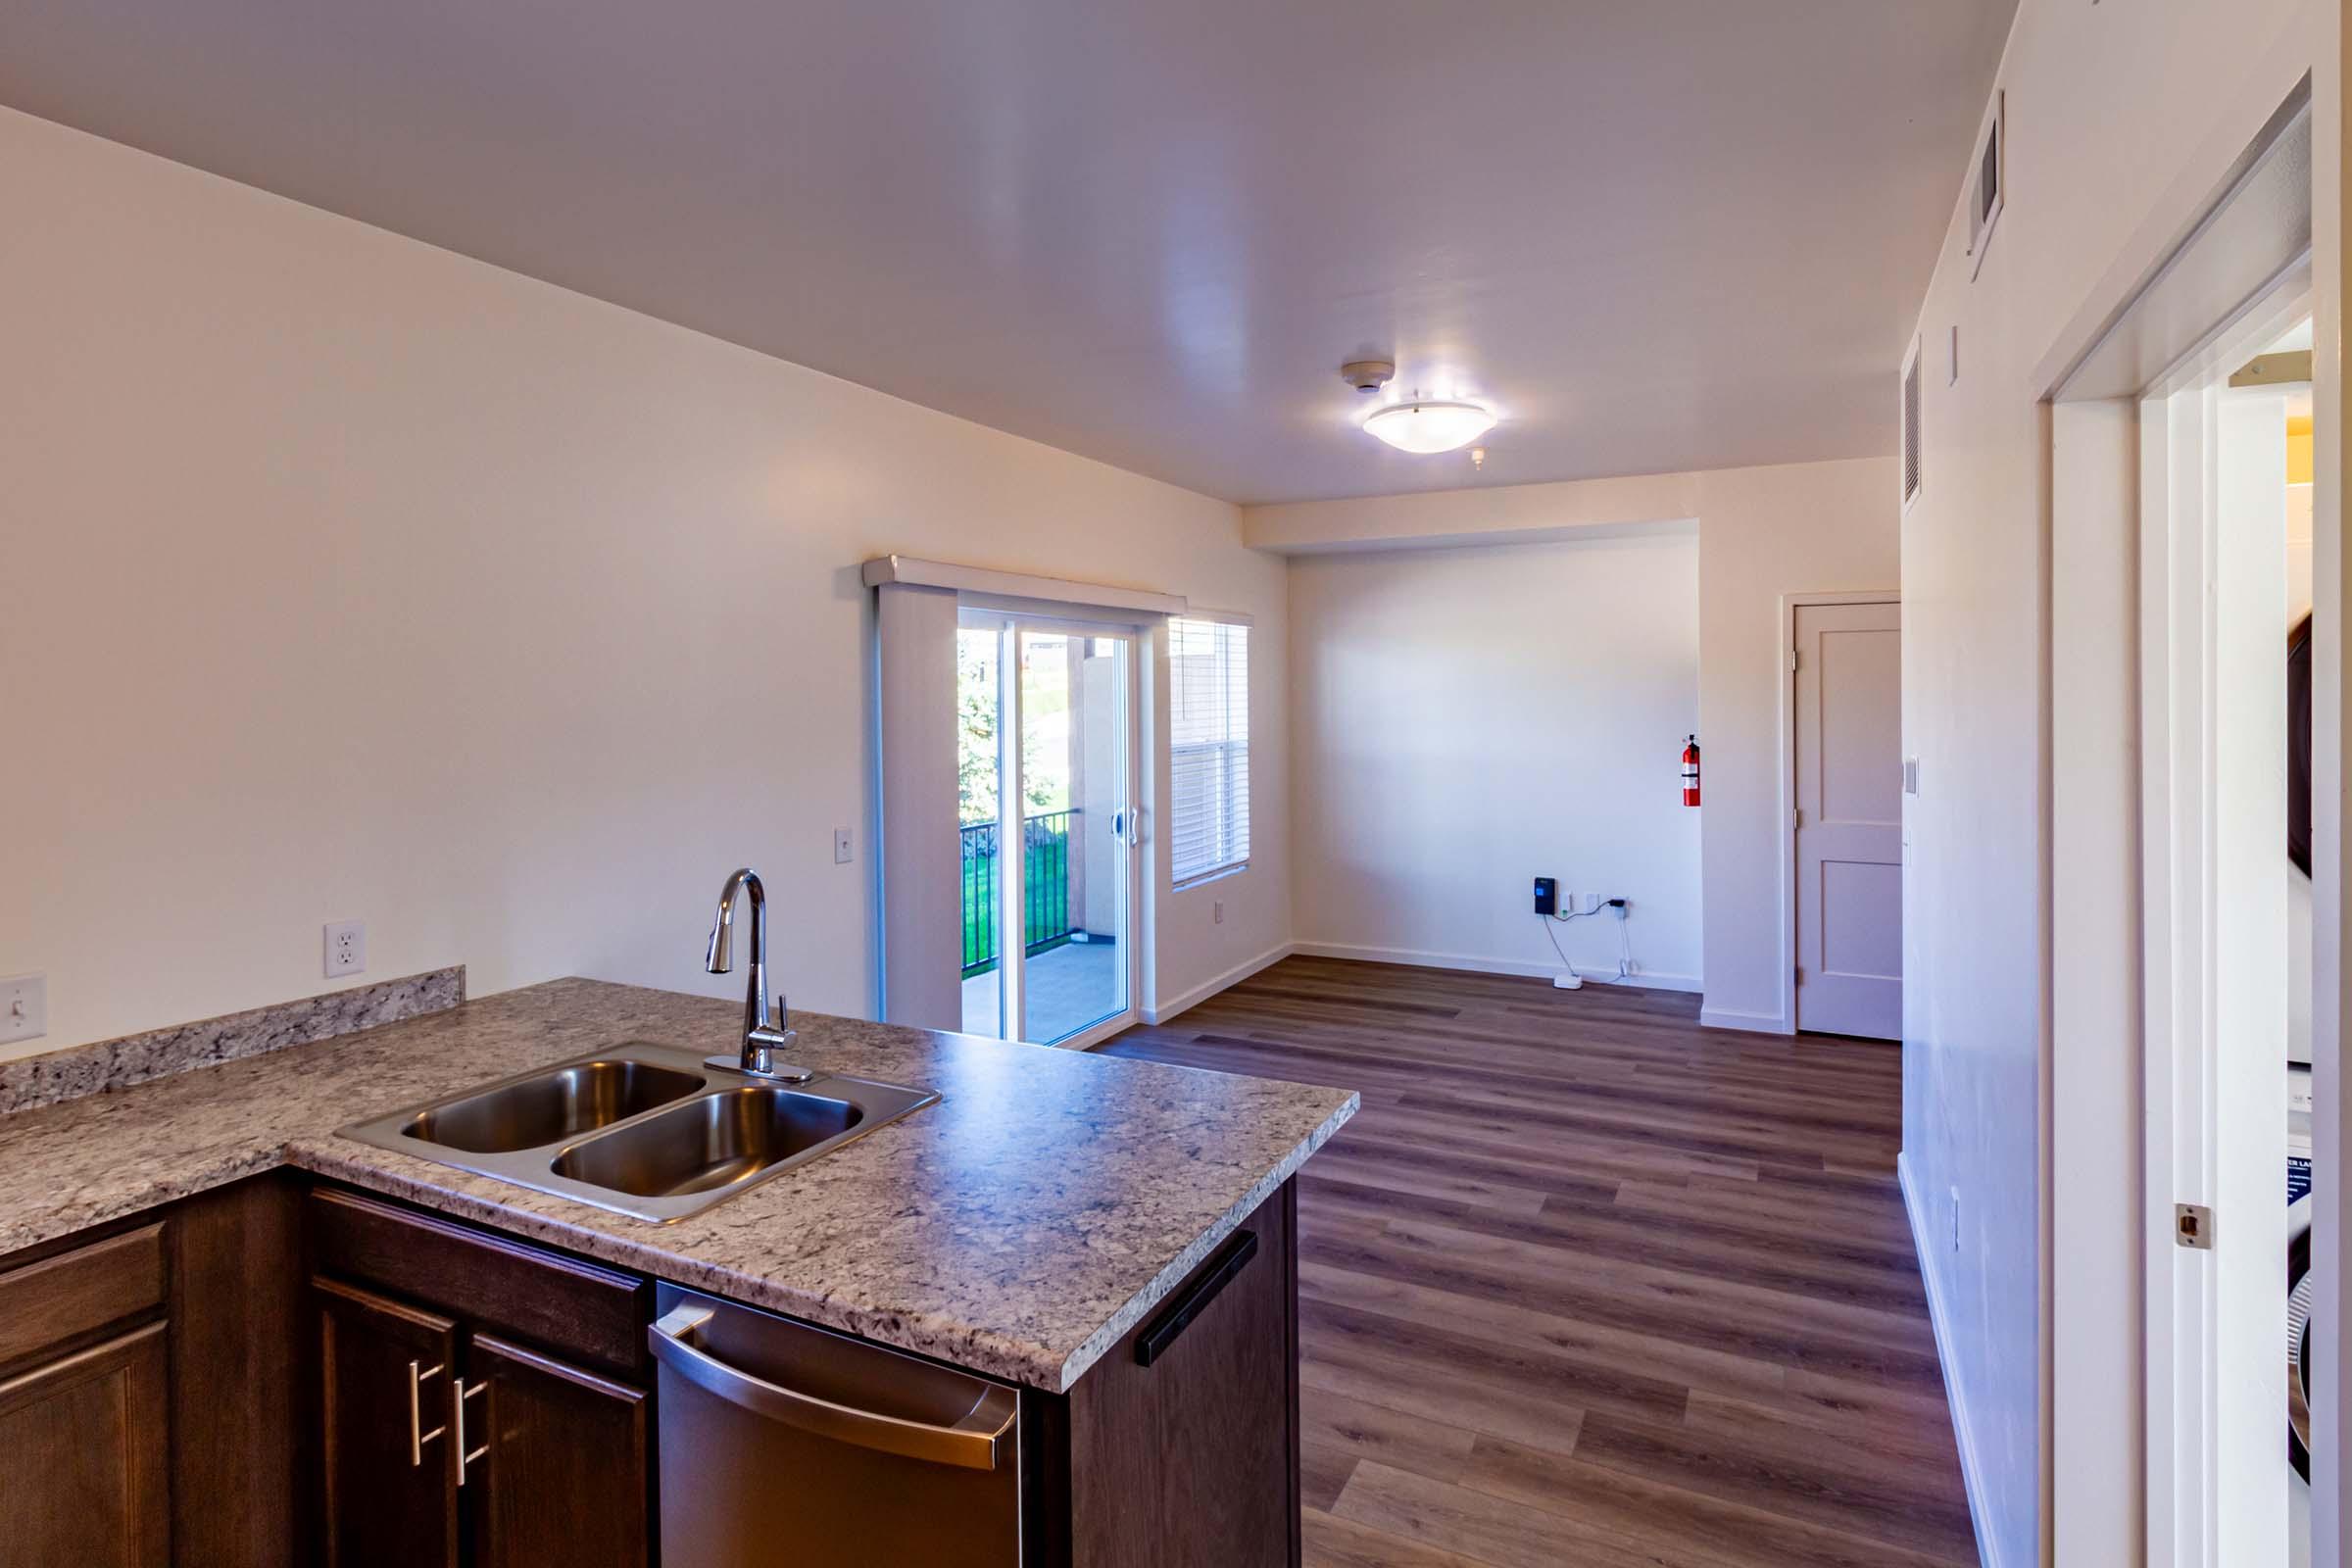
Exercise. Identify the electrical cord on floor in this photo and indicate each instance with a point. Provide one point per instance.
(1625, 940)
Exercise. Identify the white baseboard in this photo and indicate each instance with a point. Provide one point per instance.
(1932, 1276)
(1475, 964)
(1206, 988)
(1754, 1023)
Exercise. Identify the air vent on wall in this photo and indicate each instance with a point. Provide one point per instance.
(1911, 426)
(1987, 186)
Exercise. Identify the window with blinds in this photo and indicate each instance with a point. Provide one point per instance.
(1208, 748)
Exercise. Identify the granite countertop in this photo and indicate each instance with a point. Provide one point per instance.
(1019, 1227)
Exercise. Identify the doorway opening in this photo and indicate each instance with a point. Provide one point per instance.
(2182, 526)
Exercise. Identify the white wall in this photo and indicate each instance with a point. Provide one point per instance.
(350, 579)
(1763, 533)
(1465, 720)
(2107, 107)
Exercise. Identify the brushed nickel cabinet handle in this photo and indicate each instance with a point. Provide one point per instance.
(464, 1457)
(418, 1436)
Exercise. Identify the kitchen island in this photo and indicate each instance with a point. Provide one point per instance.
(1048, 1214)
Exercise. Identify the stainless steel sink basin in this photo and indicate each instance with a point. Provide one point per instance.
(641, 1129)
(709, 1143)
(552, 1107)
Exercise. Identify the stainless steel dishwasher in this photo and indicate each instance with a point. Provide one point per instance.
(785, 1444)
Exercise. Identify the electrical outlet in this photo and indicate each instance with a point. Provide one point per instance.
(347, 947)
(1216, 911)
(23, 1007)
(841, 846)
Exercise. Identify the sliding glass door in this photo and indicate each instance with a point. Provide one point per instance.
(1046, 764)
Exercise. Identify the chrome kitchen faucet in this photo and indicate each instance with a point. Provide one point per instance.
(761, 1036)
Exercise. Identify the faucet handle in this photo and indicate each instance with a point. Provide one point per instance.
(759, 1058)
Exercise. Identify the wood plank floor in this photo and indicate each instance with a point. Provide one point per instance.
(1585, 1284)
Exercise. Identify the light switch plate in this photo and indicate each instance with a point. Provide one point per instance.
(841, 846)
(23, 1007)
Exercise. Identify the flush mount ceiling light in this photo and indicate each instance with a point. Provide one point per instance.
(1417, 425)
(1430, 425)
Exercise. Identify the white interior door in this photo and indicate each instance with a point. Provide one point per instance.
(1850, 873)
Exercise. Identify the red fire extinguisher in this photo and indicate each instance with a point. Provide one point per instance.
(1690, 773)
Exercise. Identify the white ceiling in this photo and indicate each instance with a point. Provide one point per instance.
(1660, 235)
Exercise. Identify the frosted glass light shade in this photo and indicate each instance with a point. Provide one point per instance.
(1430, 425)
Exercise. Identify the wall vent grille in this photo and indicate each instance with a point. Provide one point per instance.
(1987, 186)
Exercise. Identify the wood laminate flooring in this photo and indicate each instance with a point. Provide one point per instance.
(1585, 1284)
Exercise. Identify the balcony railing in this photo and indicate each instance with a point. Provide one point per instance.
(1045, 888)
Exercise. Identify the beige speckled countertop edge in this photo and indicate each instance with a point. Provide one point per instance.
(427, 1186)
(1164, 1283)
(1011, 1264)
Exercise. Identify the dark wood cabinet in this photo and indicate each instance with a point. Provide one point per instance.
(387, 1467)
(85, 1406)
(83, 1438)
(148, 1389)
(1184, 1439)
(283, 1372)
(488, 1449)
(562, 1470)
(443, 1446)
(239, 1317)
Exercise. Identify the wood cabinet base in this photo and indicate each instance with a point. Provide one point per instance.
(283, 1372)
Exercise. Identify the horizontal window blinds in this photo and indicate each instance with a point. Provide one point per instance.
(1208, 748)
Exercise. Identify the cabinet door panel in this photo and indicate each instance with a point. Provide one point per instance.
(1224, 1415)
(562, 1476)
(82, 1448)
(386, 1371)
(1187, 1459)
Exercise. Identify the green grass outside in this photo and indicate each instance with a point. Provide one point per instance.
(980, 901)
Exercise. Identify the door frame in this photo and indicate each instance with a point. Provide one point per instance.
(2192, 968)
(1015, 616)
(1790, 604)
(2188, 292)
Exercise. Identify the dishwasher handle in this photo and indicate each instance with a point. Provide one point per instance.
(982, 1440)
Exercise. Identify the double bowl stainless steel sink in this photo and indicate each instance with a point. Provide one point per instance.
(642, 1128)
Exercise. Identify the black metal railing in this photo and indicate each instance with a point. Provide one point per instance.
(1045, 890)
